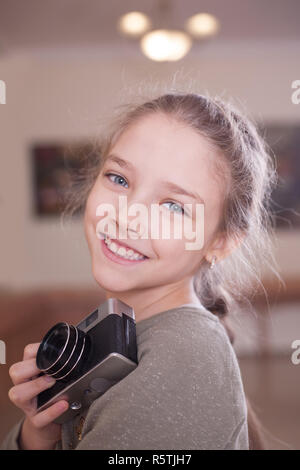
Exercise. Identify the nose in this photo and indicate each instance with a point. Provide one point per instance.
(132, 226)
(133, 218)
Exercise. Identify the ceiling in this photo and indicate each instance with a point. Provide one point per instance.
(71, 23)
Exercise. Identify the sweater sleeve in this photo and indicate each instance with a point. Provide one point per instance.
(11, 440)
(186, 393)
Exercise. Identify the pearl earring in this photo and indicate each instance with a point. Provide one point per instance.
(212, 264)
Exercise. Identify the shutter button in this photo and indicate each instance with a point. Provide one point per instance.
(76, 405)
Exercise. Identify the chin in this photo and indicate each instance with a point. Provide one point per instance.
(110, 279)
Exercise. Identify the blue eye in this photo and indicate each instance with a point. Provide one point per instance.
(117, 176)
(181, 209)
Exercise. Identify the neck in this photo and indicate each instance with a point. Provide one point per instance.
(148, 302)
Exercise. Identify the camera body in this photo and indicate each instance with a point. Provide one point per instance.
(88, 359)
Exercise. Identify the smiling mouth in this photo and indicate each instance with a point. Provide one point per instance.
(121, 250)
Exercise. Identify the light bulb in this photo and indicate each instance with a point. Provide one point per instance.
(165, 45)
(202, 25)
(134, 23)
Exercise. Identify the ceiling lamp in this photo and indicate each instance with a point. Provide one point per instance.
(134, 23)
(165, 45)
(202, 25)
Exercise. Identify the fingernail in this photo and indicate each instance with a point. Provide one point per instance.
(49, 379)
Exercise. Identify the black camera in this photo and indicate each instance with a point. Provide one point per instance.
(87, 359)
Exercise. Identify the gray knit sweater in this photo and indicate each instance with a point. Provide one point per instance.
(185, 393)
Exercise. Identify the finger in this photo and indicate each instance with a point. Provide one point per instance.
(23, 393)
(23, 371)
(50, 414)
(30, 350)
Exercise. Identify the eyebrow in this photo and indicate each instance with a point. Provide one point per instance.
(167, 184)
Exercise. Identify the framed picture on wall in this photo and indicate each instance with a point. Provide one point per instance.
(284, 140)
(53, 165)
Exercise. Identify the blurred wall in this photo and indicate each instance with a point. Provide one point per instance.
(61, 94)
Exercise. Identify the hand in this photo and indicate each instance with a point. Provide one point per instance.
(38, 430)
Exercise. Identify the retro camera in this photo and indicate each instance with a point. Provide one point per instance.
(87, 359)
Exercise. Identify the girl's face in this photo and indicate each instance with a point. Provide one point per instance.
(153, 152)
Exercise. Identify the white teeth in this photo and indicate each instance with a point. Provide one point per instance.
(113, 247)
(122, 251)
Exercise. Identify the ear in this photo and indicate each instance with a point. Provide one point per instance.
(222, 246)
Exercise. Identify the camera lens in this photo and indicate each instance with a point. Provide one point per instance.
(62, 351)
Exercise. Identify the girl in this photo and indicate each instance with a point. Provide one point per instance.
(178, 150)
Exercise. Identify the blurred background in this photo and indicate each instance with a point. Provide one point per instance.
(64, 66)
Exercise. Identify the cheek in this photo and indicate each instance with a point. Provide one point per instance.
(90, 218)
(97, 196)
(174, 251)
(176, 262)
